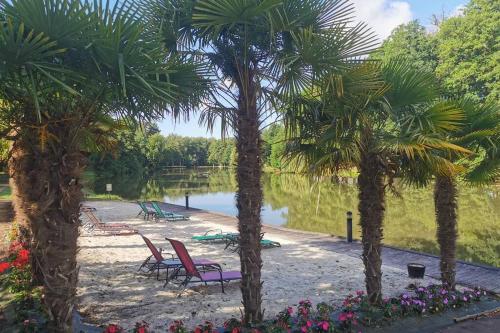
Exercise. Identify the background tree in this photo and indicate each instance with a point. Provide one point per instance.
(258, 49)
(64, 66)
(274, 145)
(412, 42)
(370, 127)
(468, 52)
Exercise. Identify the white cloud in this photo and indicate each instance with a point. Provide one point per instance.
(383, 15)
(458, 11)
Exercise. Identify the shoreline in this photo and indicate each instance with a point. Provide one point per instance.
(111, 290)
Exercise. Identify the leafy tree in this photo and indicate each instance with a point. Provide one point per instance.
(468, 52)
(370, 126)
(258, 49)
(219, 152)
(410, 41)
(66, 67)
(273, 145)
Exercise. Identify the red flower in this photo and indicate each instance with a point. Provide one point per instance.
(4, 266)
(112, 328)
(235, 330)
(141, 329)
(22, 258)
(197, 330)
(23, 254)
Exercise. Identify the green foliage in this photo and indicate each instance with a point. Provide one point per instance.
(274, 146)
(463, 54)
(144, 150)
(220, 152)
(468, 52)
(410, 41)
(66, 62)
(4, 153)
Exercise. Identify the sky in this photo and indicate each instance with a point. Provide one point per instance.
(382, 15)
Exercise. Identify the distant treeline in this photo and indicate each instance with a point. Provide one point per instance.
(146, 150)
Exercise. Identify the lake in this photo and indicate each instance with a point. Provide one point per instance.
(294, 201)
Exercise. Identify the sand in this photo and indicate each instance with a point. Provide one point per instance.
(111, 290)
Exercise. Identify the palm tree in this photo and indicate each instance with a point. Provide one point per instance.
(64, 66)
(258, 50)
(478, 133)
(369, 127)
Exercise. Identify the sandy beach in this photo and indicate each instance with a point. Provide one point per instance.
(111, 290)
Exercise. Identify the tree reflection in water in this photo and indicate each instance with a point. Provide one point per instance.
(299, 203)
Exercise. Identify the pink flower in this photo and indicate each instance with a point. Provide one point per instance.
(342, 317)
(465, 298)
(289, 310)
(303, 329)
(325, 325)
(309, 323)
(350, 315)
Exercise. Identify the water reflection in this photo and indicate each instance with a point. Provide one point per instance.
(295, 202)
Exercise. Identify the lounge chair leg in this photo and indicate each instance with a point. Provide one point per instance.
(145, 263)
(222, 285)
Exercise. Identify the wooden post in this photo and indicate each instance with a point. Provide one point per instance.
(187, 200)
(349, 227)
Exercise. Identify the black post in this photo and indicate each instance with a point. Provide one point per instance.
(349, 227)
(187, 200)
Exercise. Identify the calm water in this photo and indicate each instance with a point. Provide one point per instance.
(295, 202)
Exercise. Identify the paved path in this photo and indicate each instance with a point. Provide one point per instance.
(468, 274)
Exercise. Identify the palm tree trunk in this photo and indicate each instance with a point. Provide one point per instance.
(445, 204)
(371, 209)
(249, 198)
(47, 197)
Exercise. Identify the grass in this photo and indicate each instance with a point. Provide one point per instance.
(93, 196)
(5, 192)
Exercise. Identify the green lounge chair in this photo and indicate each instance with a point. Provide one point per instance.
(233, 242)
(146, 211)
(169, 216)
(216, 237)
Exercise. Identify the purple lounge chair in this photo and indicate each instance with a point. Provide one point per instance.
(156, 261)
(192, 272)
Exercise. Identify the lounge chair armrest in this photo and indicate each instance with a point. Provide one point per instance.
(206, 233)
(167, 254)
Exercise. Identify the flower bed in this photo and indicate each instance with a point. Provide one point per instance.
(351, 316)
(16, 278)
